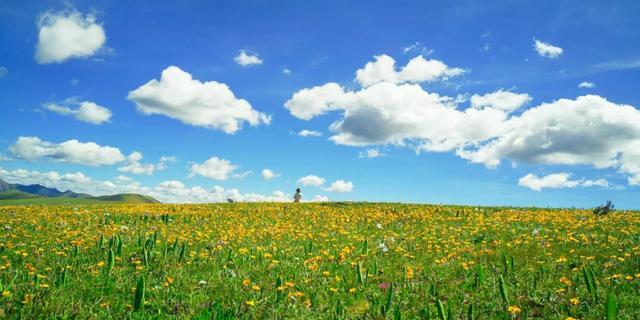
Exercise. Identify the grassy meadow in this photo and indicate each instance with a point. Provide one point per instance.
(316, 261)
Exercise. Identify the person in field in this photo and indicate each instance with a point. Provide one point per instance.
(297, 196)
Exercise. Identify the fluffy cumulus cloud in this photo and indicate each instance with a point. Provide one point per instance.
(388, 113)
(74, 151)
(68, 34)
(558, 181)
(247, 59)
(216, 168)
(418, 69)
(587, 130)
(340, 186)
(208, 104)
(135, 166)
(309, 133)
(586, 85)
(268, 174)
(171, 191)
(546, 50)
(500, 100)
(311, 180)
(86, 111)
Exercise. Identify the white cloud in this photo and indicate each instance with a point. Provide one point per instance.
(86, 111)
(547, 50)
(3, 72)
(268, 174)
(603, 183)
(246, 59)
(216, 168)
(586, 85)
(417, 47)
(311, 180)
(206, 104)
(286, 71)
(134, 166)
(176, 192)
(320, 198)
(171, 191)
(309, 133)
(500, 100)
(417, 70)
(558, 181)
(340, 186)
(371, 153)
(387, 113)
(588, 130)
(68, 34)
(87, 153)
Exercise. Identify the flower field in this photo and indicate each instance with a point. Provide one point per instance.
(317, 261)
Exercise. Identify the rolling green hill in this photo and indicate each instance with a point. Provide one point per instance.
(127, 198)
(17, 194)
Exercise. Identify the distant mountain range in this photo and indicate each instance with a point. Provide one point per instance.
(14, 193)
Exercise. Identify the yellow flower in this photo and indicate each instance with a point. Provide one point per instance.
(352, 290)
(574, 301)
(250, 303)
(101, 264)
(256, 288)
(409, 273)
(6, 293)
(514, 309)
(246, 282)
(570, 318)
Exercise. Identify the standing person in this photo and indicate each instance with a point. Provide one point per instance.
(297, 196)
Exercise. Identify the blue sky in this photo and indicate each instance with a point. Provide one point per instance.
(476, 116)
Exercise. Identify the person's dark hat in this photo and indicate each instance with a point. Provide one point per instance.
(298, 190)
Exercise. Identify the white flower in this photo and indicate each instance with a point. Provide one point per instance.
(379, 225)
(383, 247)
(202, 283)
(535, 232)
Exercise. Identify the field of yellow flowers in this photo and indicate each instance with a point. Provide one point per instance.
(317, 261)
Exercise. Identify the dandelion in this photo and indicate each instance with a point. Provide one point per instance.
(250, 303)
(574, 301)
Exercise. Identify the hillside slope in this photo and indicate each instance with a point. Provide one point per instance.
(18, 194)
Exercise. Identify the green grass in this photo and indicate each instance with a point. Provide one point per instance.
(21, 198)
(47, 201)
(16, 194)
(317, 261)
(127, 198)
